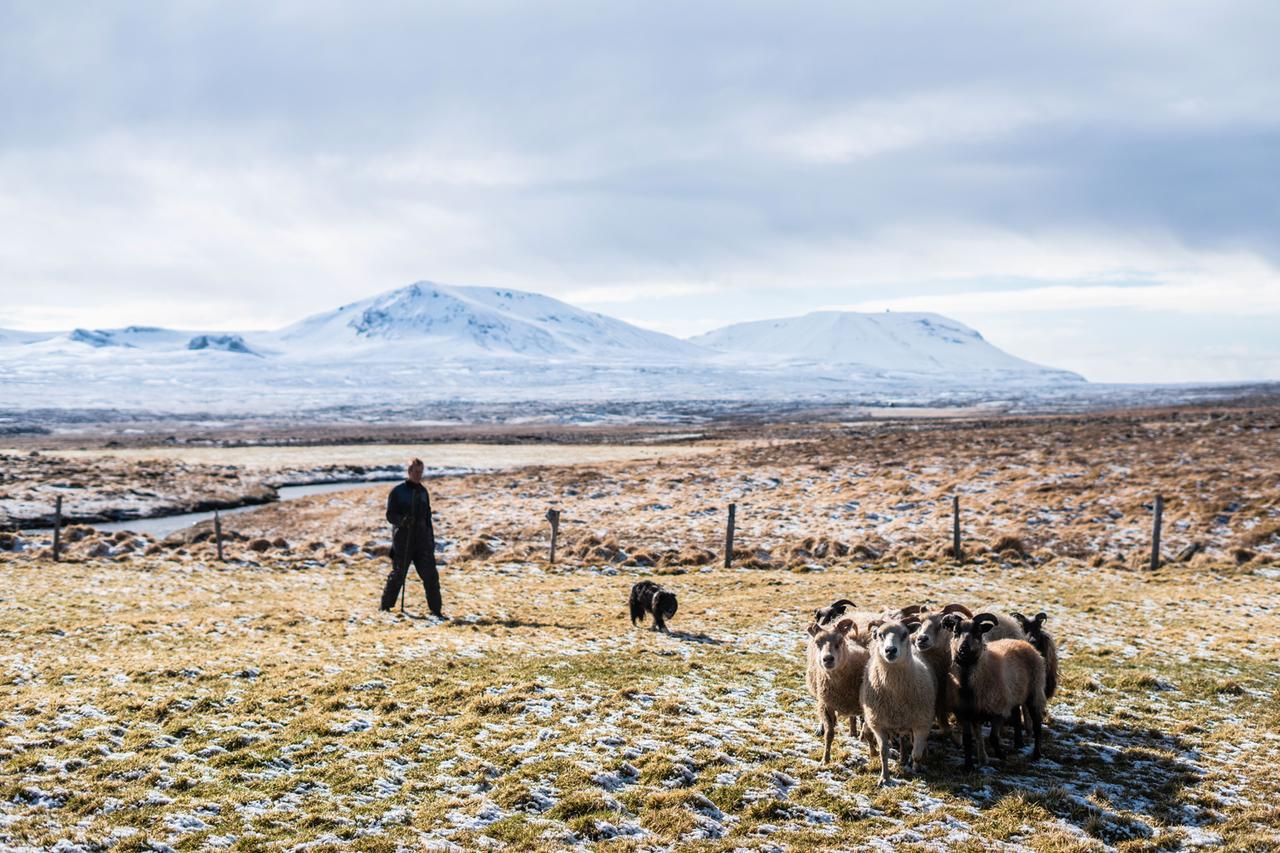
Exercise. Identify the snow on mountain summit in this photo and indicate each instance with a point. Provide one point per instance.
(480, 321)
(914, 342)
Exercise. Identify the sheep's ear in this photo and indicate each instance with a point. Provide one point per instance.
(913, 625)
(814, 629)
(984, 622)
(951, 621)
(843, 626)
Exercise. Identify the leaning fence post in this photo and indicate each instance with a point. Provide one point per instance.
(217, 534)
(955, 529)
(1155, 533)
(728, 536)
(553, 516)
(57, 528)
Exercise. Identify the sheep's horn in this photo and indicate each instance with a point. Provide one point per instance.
(988, 619)
(958, 608)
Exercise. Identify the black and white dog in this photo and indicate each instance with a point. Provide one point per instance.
(648, 597)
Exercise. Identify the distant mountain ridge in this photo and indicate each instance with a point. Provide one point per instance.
(481, 321)
(915, 342)
(431, 342)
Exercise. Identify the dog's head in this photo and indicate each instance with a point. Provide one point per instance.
(665, 603)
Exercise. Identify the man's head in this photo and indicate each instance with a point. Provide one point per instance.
(415, 470)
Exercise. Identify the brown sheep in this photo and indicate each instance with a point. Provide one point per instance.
(991, 680)
(836, 661)
(897, 694)
(933, 646)
(1045, 645)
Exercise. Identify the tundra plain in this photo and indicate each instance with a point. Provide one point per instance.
(155, 697)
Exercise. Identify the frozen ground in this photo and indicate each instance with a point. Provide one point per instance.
(204, 706)
(152, 696)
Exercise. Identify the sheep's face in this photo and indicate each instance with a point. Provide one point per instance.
(892, 641)
(969, 636)
(1034, 629)
(932, 634)
(832, 644)
(665, 603)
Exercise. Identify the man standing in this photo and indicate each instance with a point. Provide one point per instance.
(409, 510)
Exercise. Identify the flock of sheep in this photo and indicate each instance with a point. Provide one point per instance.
(899, 671)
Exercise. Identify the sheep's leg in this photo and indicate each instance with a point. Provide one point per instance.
(869, 739)
(919, 743)
(882, 739)
(997, 724)
(966, 729)
(853, 725)
(829, 733)
(1019, 723)
(979, 742)
(1035, 714)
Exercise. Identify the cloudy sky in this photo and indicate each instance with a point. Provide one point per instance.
(1092, 185)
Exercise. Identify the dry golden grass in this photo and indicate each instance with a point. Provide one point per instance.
(158, 697)
(196, 704)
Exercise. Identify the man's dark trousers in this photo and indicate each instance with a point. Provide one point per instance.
(413, 542)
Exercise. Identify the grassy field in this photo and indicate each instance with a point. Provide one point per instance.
(198, 705)
(151, 696)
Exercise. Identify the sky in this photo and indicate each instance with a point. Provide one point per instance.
(1094, 186)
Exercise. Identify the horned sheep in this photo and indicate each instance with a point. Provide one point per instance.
(990, 680)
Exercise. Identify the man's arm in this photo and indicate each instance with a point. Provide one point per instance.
(394, 514)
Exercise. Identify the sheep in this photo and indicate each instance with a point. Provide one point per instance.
(990, 680)
(836, 662)
(825, 615)
(933, 646)
(897, 695)
(843, 608)
(1045, 645)
(1006, 627)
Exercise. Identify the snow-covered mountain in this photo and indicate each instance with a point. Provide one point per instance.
(901, 342)
(429, 342)
(467, 322)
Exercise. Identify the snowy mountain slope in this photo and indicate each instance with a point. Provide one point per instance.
(468, 322)
(428, 342)
(910, 342)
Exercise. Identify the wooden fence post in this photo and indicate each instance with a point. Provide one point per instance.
(728, 536)
(955, 529)
(553, 516)
(217, 534)
(1155, 533)
(57, 529)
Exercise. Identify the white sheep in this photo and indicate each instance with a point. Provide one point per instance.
(897, 694)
